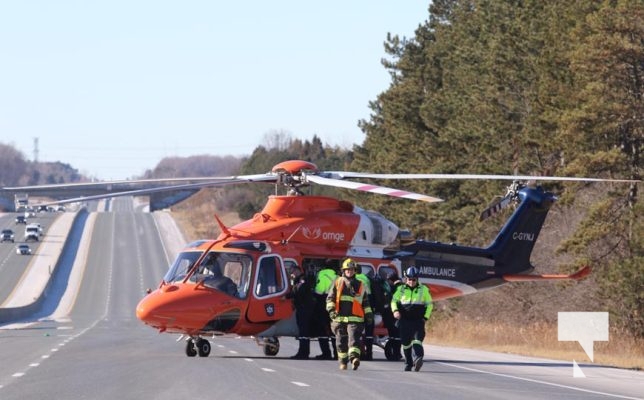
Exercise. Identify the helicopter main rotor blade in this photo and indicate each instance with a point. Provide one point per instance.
(346, 174)
(192, 180)
(371, 188)
(168, 188)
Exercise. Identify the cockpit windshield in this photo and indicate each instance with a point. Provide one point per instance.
(182, 264)
(227, 272)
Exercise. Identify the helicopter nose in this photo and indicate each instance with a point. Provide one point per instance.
(143, 311)
(181, 308)
(157, 308)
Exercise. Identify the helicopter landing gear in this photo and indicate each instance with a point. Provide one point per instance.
(271, 346)
(191, 351)
(199, 346)
(390, 353)
(391, 346)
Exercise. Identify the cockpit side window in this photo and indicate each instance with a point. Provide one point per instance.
(271, 277)
(226, 272)
(181, 265)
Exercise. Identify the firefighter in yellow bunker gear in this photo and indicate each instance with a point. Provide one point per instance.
(349, 309)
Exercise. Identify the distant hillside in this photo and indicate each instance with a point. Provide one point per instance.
(16, 170)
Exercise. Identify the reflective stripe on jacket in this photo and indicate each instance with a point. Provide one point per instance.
(412, 303)
(348, 299)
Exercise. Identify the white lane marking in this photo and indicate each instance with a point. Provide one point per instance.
(46, 356)
(34, 364)
(249, 359)
(540, 382)
(18, 374)
(268, 370)
(299, 383)
(232, 351)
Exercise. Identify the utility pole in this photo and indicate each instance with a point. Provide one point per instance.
(35, 149)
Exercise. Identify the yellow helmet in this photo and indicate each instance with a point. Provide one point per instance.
(349, 263)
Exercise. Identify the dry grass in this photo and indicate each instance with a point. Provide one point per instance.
(196, 216)
(538, 340)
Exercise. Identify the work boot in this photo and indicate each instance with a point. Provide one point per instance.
(396, 349)
(407, 367)
(368, 350)
(409, 359)
(303, 350)
(418, 364)
(324, 348)
(343, 363)
(355, 363)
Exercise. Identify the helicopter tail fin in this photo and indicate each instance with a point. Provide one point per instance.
(514, 243)
(578, 275)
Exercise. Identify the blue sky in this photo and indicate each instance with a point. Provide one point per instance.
(112, 87)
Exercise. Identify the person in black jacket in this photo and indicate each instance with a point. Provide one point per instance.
(382, 292)
(304, 302)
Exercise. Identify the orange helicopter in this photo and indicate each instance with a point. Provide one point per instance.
(238, 283)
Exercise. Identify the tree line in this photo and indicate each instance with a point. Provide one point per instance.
(529, 87)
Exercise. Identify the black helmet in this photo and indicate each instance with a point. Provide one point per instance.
(411, 272)
(393, 276)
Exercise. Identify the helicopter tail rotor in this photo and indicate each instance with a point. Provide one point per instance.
(499, 203)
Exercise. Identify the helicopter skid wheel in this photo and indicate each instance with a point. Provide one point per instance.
(389, 351)
(191, 351)
(203, 347)
(271, 346)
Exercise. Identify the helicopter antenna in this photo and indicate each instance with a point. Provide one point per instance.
(223, 227)
(284, 241)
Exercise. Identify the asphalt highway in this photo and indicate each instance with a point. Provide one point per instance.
(12, 265)
(97, 349)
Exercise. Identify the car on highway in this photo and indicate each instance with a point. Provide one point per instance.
(21, 219)
(32, 233)
(6, 235)
(23, 249)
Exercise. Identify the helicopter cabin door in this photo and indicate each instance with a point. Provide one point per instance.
(270, 286)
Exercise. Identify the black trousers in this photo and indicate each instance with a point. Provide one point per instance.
(412, 334)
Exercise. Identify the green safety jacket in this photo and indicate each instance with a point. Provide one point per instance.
(324, 281)
(412, 303)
